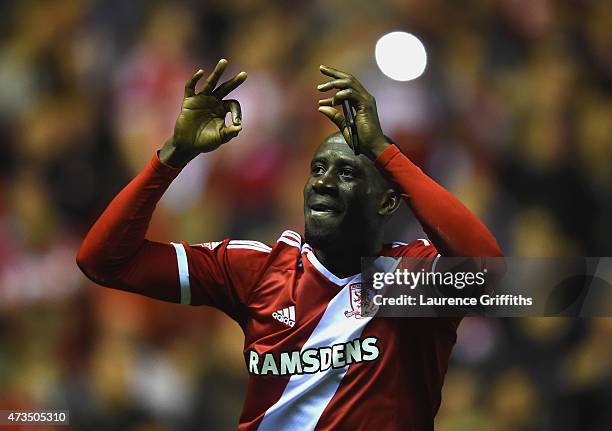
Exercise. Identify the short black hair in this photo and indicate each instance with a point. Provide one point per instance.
(340, 135)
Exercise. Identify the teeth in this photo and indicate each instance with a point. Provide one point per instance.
(320, 208)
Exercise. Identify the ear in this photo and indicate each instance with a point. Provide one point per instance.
(389, 203)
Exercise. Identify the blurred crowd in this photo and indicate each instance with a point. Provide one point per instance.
(513, 115)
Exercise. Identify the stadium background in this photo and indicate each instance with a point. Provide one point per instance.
(513, 115)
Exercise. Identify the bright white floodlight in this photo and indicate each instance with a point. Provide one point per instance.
(401, 56)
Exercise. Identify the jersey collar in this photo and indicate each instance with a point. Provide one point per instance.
(327, 273)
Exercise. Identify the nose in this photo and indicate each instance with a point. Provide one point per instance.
(325, 183)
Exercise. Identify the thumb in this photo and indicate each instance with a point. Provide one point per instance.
(334, 115)
(230, 132)
(338, 119)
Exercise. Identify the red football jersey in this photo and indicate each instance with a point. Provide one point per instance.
(314, 361)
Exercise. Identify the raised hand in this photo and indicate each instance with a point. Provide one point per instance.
(200, 126)
(371, 138)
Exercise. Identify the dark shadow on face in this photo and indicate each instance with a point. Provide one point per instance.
(342, 198)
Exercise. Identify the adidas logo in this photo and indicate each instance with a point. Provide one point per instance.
(286, 316)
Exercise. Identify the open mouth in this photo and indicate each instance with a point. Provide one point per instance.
(323, 209)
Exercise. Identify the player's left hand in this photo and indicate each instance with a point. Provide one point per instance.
(372, 141)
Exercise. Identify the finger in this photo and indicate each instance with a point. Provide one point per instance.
(334, 115)
(338, 119)
(336, 83)
(230, 132)
(228, 86)
(233, 106)
(191, 84)
(213, 78)
(334, 73)
(347, 94)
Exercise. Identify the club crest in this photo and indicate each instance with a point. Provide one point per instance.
(361, 302)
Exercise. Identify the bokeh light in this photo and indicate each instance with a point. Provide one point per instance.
(401, 56)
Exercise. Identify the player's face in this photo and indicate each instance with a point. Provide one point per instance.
(341, 196)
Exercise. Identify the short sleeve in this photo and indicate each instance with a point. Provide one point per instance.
(420, 248)
(427, 257)
(220, 274)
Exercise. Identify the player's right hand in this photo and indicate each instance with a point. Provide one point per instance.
(200, 126)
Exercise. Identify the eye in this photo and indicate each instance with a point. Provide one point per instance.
(317, 169)
(346, 173)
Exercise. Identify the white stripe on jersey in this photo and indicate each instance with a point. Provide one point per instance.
(291, 234)
(183, 270)
(248, 247)
(425, 242)
(289, 242)
(291, 238)
(251, 243)
(398, 244)
(306, 395)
